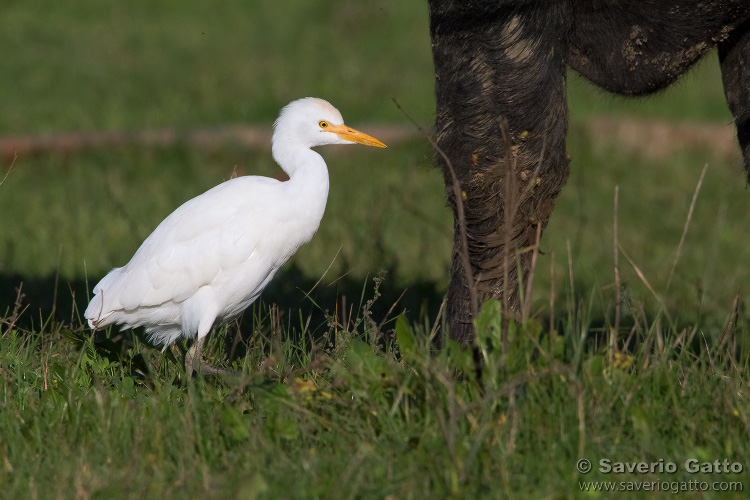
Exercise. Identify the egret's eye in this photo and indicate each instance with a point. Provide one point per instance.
(323, 124)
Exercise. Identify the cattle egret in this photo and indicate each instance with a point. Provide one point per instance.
(213, 256)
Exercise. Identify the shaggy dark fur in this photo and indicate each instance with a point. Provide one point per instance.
(502, 62)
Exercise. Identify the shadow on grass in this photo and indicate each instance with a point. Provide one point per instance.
(63, 301)
(45, 304)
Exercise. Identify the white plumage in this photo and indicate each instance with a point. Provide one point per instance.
(214, 255)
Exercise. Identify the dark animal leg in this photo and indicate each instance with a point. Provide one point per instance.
(635, 47)
(497, 64)
(734, 56)
(498, 60)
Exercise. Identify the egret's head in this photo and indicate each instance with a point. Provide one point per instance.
(311, 122)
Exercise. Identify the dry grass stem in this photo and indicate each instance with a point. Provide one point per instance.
(731, 329)
(570, 270)
(457, 194)
(530, 280)
(10, 169)
(618, 285)
(18, 309)
(552, 333)
(645, 281)
(686, 226)
(390, 310)
(325, 272)
(508, 216)
(436, 325)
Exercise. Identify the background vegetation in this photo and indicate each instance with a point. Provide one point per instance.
(333, 405)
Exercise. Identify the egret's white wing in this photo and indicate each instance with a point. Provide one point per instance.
(214, 232)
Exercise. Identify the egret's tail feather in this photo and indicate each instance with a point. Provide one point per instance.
(163, 335)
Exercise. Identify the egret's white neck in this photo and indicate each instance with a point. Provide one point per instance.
(308, 174)
(295, 158)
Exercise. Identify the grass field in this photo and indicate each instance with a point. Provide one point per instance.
(340, 399)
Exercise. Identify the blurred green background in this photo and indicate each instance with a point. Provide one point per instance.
(94, 66)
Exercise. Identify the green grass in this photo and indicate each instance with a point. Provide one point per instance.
(334, 404)
(361, 414)
(109, 66)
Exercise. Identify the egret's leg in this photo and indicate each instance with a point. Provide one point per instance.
(194, 358)
(194, 362)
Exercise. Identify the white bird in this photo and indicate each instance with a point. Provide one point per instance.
(213, 256)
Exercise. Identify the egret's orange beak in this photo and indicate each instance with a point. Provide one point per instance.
(349, 134)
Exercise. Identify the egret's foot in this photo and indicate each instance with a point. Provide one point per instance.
(206, 369)
(194, 363)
